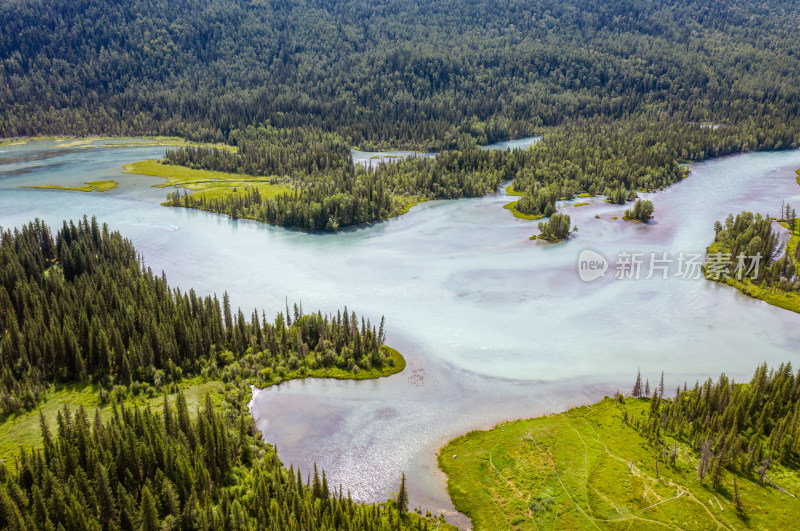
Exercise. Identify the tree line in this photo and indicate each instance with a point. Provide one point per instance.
(742, 428)
(441, 75)
(597, 157)
(81, 307)
(174, 469)
(745, 247)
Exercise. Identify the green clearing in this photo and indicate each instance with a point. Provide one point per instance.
(166, 141)
(587, 469)
(89, 186)
(517, 214)
(207, 184)
(22, 430)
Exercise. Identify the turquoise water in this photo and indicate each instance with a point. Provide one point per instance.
(494, 326)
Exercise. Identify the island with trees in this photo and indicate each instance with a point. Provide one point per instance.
(642, 211)
(555, 229)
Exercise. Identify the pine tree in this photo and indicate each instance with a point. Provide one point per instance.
(148, 514)
(637, 386)
(661, 386)
(402, 496)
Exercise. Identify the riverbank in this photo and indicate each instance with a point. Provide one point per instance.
(788, 300)
(588, 468)
(23, 430)
(517, 214)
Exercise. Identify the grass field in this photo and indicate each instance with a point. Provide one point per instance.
(209, 184)
(110, 141)
(587, 469)
(91, 186)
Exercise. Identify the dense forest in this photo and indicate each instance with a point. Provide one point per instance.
(81, 307)
(623, 93)
(596, 157)
(400, 73)
(747, 247)
(743, 428)
(147, 471)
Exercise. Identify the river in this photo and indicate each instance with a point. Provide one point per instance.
(494, 326)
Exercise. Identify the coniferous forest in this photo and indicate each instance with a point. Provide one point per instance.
(80, 307)
(744, 428)
(272, 96)
(147, 471)
(622, 94)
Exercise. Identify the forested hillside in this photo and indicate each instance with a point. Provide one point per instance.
(398, 73)
(81, 307)
(622, 91)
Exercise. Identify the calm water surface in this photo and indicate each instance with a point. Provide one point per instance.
(494, 326)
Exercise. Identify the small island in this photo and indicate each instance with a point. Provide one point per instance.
(90, 186)
(556, 229)
(642, 211)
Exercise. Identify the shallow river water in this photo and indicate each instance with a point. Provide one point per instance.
(494, 326)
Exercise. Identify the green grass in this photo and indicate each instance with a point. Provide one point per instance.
(510, 191)
(90, 186)
(169, 141)
(208, 184)
(587, 469)
(517, 214)
(398, 364)
(22, 430)
(581, 204)
(584, 194)
(190, 178)
(116, 141)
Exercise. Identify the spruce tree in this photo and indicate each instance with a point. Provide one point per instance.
(402, 496)
(637, 386)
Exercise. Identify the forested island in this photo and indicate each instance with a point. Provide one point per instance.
(79, 308)
(718, 454)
